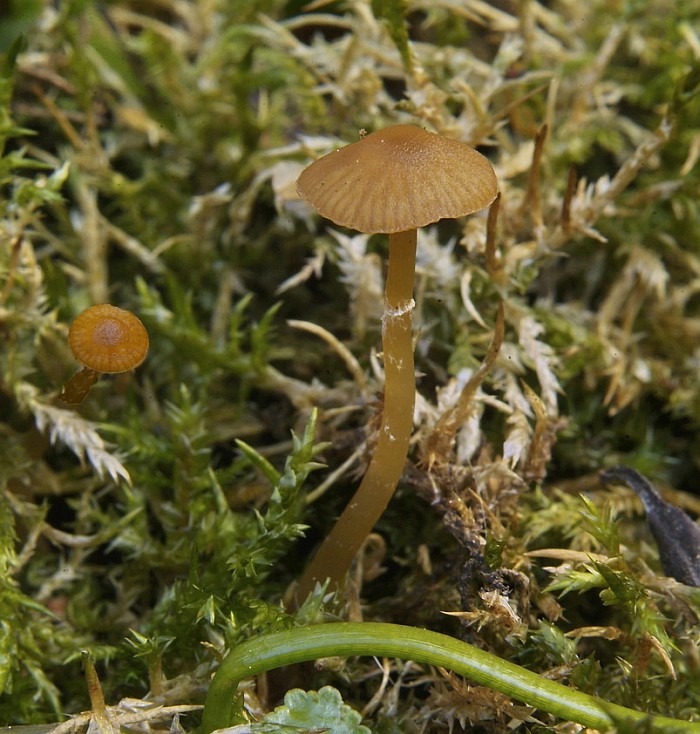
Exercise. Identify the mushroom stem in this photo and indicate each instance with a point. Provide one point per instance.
(333, 558)
(75, 390)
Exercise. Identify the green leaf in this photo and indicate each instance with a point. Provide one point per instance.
(314, 710)
(393, 13)
(259, 462)
(9, 58)
(601, 524)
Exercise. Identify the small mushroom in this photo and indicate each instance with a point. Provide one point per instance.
(105, 339)
(392, 182)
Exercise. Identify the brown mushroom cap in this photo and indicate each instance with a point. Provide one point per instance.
(108, 339)
(399, 178)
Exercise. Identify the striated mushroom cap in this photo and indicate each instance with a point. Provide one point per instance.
(108, 339)
(399, 178)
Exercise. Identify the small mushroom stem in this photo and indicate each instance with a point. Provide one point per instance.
(75, 390)
(333, 558)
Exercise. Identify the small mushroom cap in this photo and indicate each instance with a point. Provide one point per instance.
(108, 339)
(399, 178)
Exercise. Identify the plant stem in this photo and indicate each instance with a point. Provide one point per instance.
(333, 558)
(410, 643)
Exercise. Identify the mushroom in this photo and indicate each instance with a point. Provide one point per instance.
(105, 339)
(392, 182)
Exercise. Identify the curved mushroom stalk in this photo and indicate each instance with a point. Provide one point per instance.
(335, 554)
(75, 390)
(390, 182)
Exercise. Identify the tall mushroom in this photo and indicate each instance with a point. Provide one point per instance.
(391, 182)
